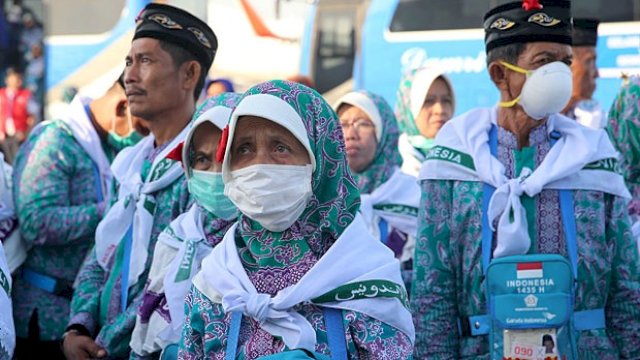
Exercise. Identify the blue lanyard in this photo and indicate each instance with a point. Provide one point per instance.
(566, 208)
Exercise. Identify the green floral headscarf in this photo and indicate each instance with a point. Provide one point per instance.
(407, 111)
(387, 157)
(275, 260)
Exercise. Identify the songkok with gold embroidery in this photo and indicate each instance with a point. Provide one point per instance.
(528, 21)
(174, 25)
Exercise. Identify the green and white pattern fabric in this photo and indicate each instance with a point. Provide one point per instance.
(274, 261)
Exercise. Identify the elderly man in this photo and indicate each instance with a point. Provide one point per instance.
(165, 70)
(582, 106)
(519, 204)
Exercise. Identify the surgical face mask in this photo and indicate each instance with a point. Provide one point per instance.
(208, 189)
(546, 91)
(273, 195)
(118, 142)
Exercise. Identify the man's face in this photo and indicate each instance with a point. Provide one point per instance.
(153, 82)
(535, 55)
(14, 81)
(584, 72)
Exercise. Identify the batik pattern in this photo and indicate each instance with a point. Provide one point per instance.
(274, 261)
(448, 277)
(57, 206)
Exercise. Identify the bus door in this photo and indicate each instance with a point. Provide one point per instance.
(337, 29)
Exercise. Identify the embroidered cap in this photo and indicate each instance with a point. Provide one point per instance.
(585, 32)
(528, 21)
(169, 23)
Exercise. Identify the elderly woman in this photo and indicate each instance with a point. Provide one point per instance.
(190, 237)
(289, 276)
(425, 102)
(390, 198)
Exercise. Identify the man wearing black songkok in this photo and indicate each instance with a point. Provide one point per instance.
(521, 181)
(170, 56)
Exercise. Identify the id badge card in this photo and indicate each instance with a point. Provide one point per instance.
(530, 344)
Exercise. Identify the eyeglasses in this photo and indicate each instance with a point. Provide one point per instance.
(166, 22)
(359, 125)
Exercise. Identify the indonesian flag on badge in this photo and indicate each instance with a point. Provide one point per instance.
(529, 270)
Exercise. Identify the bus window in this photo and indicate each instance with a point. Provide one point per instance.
(335, 49)
(422, 15)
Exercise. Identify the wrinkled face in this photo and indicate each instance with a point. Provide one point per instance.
(584, 72)
(153, 82)
(205, 144)
(216, 88)
(359, 137)
(535, 55)
(436, 109)
(257, 140)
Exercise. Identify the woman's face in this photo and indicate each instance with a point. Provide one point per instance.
(436, 109)
(205, 144)
(216, 88)
(260, 141)
(359, 137)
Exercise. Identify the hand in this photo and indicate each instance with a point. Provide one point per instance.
(81, 347)
(21, 136)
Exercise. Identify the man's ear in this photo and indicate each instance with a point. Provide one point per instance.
(192, 70)
(498, 75)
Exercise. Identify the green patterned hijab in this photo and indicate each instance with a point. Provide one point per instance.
(227, 100)
(332, 206)
(412, 92)
(387, 157)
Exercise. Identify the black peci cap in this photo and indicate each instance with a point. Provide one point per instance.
(585, 32)
(528, 21)
(174, 25)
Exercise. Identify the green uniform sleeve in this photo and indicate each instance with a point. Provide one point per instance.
(86, 296)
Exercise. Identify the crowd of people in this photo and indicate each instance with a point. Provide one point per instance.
(150, 224)
(22, 69)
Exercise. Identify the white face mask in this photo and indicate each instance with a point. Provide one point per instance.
(546, 91)
(273, 195)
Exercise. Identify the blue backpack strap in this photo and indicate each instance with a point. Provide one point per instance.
(568, 218)
(383, 226)
(98, 180)
(589, 319)
(569, 224)
(126, 259)
(335, 333)
(333, 323)
(233, 336)
(487, 192)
